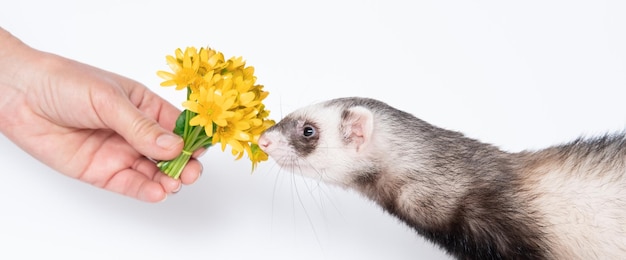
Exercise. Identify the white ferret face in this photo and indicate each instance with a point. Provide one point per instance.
(321, 141)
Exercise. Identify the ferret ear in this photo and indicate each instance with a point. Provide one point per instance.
(357, 126)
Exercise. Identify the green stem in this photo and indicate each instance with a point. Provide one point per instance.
(174, 168)
(202, 142)
(194, 139)
(188, 115)
(190, 139)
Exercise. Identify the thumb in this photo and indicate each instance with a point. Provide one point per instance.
(144, 133)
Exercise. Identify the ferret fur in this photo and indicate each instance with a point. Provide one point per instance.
(472, 199)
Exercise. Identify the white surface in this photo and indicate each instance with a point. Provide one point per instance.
(519, 75)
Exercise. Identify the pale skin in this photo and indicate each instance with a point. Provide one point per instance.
(89, 124)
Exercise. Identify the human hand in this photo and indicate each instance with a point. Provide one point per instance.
(87, 123)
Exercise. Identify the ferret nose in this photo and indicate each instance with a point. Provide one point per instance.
(264, 143)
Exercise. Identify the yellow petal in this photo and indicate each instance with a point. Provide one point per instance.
(256, 122)
(245, 98)
(242, 136)
(173, 63)
(208, 77)
(248, 72)
(191, 106)
(239, 155)
(165, 75)
(263, 95)
(242, 125)
(179, 54)
(198, 120)
(204, 55)
(168, 83)
(215, 59)
(208, 129)
(223, 145)
(236, 146)
(195, 59)
(220, 122)
(234, 63)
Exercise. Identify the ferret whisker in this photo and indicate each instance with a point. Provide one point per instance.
(274, 194)
(317, 179)
(306, 212)
(322, 189)
(320, 184)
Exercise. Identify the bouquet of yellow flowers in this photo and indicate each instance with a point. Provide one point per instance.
(224, 105)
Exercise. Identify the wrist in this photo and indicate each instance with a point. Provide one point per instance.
(15, 76)
(14, 67)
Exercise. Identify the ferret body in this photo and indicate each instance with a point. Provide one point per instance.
(472, 199)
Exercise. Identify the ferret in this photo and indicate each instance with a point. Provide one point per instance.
(472, 199)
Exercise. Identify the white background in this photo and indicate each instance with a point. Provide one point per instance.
(520, 75)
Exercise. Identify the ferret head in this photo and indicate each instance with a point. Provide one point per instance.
(328, 141)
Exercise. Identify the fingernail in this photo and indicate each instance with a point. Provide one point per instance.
(180, 185)
(201, 170)
(199, 174)
(168, 141)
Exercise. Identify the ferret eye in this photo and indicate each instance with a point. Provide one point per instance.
(308, 131)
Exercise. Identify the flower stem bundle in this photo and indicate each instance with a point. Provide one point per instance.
(224, 105)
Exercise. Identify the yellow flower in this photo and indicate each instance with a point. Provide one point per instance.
(185, 67)
(211, 107)
(233, 133)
